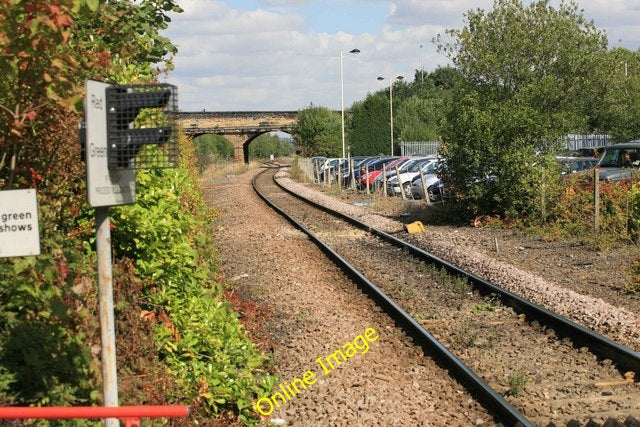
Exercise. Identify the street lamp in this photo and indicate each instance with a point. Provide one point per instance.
(421, 66)
(354, 51)
(398, 78)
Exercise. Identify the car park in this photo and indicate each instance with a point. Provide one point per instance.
(346, 170)
(391, 170)
(369, 163)
(417, 189)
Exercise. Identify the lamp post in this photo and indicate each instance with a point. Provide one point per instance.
(354, 51)
(391, 82)
(421, 66)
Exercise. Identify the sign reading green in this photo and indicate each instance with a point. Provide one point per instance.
(19, 233)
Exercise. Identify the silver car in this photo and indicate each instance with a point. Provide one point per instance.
(394, 187)
(619, 160)
(417, 190)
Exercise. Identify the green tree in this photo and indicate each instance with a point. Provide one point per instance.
(369, 132)
(417, 119)
(267, 144)
(445, 78)
(528, 73)
(618, 112)
(318, 132)
(211, 148)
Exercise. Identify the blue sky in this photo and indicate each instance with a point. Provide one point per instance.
(329, 16)
(244, 55)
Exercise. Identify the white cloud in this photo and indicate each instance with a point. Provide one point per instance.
(267, 59)
(435, 12)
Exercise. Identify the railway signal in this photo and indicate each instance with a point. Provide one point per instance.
(127, 127)
(137, 115)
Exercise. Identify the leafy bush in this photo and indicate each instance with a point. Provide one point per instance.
(47, 326)
(573, 213)
(167, 235)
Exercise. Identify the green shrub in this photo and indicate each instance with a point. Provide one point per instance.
(167, 235)
(574, 212)
(47, 326)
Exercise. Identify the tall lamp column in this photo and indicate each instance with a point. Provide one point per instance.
(354, 51)
(391, 82)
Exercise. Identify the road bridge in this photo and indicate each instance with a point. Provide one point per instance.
(239, 127)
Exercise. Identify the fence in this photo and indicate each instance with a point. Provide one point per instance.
(413, 148)
(307, 166)
(575, 142)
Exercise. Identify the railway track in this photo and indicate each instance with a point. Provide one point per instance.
(524, 363)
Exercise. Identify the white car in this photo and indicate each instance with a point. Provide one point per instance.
(394, 186)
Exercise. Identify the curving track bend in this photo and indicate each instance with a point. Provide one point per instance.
(548, 379)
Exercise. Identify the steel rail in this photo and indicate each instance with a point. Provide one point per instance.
(625, 358)
(492, 400)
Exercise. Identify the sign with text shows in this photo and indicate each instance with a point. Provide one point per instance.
(19, 233)
(105, 187)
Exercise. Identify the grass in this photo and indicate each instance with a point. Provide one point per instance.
(517, 383)
(425, 315)
(466, 336)
(218, 170)
(489, 304)
(490, 338)
(457, 284)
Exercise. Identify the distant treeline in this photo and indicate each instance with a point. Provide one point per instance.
(214, 148)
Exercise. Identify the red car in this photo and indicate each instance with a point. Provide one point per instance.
(377, 168)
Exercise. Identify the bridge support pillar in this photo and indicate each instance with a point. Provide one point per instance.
(238, 142)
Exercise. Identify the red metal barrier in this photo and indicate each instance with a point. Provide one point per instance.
(130, 414)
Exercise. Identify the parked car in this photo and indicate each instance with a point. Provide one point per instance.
(576, 164)
(329, 167)
(376, 169)
(585, 152)
(430, 178)
(346, 170)
(391, 170)
(437, 192)
(619, 160)
(369, 163)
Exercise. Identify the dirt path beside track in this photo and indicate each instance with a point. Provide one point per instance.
(314, 311)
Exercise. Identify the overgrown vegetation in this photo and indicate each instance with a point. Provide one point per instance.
(199, 337)
(210, 149)
(524, 75)
(177, 340)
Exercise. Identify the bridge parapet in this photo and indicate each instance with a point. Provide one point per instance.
(237, 119)
(234, 130)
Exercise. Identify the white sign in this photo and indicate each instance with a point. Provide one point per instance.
(104, 187)
(19, 232)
